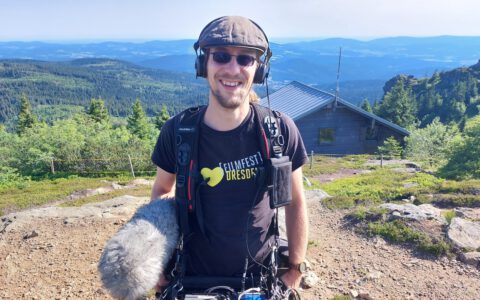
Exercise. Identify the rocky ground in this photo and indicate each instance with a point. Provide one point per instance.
(52, 253)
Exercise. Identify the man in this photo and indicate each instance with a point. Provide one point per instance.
(236, 224)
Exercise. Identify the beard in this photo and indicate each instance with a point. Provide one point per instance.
(230, 101)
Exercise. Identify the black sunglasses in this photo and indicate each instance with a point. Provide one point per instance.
(243, 60)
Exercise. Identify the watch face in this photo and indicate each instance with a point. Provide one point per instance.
(302, 267)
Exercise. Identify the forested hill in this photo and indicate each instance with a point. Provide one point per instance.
(452, 96)
(75, 83)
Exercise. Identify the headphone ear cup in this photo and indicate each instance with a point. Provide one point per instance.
(200, 66)
(261, 73)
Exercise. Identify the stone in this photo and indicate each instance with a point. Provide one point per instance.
(353, 293)
(373, 275)
(411, 211)
(464, 234)
(310, 279)
(473, 214)
(30, 235)
(470, 258)
(364, 295)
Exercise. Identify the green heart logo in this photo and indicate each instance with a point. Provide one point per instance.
(213, 177)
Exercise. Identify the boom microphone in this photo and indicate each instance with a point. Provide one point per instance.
(135, 257)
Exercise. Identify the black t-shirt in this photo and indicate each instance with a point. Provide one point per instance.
(231, 159)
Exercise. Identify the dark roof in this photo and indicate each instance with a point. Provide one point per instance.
(298, 100)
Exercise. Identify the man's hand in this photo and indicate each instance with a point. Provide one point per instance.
(292, 278)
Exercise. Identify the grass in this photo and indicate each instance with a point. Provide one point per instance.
(449, 215)
(381, 185)
(312, 244)
(341, 297)
(140, 191)
(398, 231)
(328, 165)
(385, 185)
(34, 193)
(362, 213)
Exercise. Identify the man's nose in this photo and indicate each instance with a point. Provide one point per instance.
(233, 65)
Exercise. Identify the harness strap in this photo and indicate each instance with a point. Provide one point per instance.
(271, 138)
(187, 129)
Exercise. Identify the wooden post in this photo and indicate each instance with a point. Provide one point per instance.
(52, 166)
(381, 160)
(311, 160)
(131, 166)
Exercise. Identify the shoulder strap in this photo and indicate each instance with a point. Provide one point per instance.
(187, 126)
(270, 133)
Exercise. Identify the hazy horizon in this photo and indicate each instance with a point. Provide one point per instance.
(277, 40)
(146, 20)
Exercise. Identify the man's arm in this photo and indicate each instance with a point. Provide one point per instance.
(296, 220)
(164, 185)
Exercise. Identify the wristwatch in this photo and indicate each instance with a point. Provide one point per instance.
(301, 267)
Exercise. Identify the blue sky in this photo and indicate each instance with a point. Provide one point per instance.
(70, 20)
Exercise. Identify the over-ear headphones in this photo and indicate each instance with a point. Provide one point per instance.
(263, 67)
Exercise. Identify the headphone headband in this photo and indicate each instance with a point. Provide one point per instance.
(233, 31)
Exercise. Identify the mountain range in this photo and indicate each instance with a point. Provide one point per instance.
(163, 71)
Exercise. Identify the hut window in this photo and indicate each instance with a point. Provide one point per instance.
(326, 136)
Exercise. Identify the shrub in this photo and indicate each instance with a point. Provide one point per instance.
(464, 158)
(431, 144)
(390, 149)
(449, 215)
(398, 232)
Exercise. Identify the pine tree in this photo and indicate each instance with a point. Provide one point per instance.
(97, 110)
(162, 117)
(398, 105)
(376, 107)
(137, 122)
(26, 119)
(366, 105)
(391, 148)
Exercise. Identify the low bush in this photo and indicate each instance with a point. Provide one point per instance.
(362, 213)
(398, 232)
(449, 215)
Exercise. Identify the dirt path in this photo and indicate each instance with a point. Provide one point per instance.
(61, 262)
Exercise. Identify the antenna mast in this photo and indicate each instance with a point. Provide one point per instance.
(338, 77)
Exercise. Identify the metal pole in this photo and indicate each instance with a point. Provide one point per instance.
(52, 166)
(131, 166)
(311, 160)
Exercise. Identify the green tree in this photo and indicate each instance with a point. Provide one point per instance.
(162, 117)
(431, 144)
(398, 105)
(376, 107)
(97, 110)
(26, 119)
(137, 121)
(464, 158)
(391, 148)
(366, 105)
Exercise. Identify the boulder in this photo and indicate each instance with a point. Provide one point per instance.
(468, 213)
(411, 211)
(470, 258)
(464, 233)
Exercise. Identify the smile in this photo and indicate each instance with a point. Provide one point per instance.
(230, 83)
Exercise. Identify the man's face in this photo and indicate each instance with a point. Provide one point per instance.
(230, 82)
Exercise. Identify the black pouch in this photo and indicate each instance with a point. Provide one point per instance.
(280, 185)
